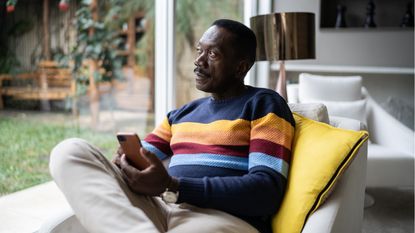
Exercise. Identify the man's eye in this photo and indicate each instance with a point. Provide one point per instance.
(212, 54)
(198, 51)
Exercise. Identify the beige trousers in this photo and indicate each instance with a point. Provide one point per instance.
(103, 202)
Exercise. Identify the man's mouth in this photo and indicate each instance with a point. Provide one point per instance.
(200, 73)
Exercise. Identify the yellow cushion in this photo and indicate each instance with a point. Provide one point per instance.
(320, 155)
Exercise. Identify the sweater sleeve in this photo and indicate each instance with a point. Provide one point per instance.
(158, 141)
(260, 191)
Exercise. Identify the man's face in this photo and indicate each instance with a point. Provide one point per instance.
(216, 62)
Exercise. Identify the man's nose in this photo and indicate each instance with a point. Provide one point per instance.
(200, 60)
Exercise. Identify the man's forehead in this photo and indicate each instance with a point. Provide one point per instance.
(214, 36)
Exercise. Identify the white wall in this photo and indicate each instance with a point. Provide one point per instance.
(356, 46)
(380, 47)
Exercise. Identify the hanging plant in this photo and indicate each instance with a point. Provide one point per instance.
(63, 5)
(99, 46)
(11, 4)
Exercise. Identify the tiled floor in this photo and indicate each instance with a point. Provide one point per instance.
(25, 211)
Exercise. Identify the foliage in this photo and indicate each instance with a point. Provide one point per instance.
(25, 145)
(8, 60)
(102, 46)
(11, 2)
(201, 12)
(145, 46)
(97, 40)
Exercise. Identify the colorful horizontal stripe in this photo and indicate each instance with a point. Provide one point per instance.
(159, 143)
(194, 148)
(271, 149)
(274, 129)
(164, 130)
(254, 130)
(261, 159)
(154, 150)
(215, 126)
(238, 138)
(213, 160)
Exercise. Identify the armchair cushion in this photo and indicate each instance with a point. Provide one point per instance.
(314, 111)
(349, 109)
(321, 153)
(316, 87)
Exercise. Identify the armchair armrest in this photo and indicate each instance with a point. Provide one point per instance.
(63, 222)
(387, 131)
(343, 210)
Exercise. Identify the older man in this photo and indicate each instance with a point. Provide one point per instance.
(230, 155)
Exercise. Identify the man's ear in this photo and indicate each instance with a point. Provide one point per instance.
(243, 68)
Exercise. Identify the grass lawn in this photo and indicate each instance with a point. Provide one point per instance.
(25, 145)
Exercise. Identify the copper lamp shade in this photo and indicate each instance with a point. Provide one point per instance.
(284, 36)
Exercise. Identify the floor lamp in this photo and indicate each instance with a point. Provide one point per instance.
(284, 36)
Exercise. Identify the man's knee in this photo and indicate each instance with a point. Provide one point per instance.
(67, 150)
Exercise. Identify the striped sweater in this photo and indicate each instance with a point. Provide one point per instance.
(232, 155)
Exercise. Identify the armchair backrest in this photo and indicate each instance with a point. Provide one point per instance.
(329, 88)
(342, 95)
(345, 96)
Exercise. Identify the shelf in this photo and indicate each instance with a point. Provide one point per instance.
(362, 30)
(388, 14)
(345, 69)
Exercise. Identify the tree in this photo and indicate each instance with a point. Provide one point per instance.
(94, 55)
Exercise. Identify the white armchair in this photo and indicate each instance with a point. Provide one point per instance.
(391, 146)
(342, 212)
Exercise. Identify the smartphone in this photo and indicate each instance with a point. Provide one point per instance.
(131, 144)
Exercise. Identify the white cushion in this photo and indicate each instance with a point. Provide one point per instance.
(314, 111)
(332, 88)
(292, 93)
(349, 109)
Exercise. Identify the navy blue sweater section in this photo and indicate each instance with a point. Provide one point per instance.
(253, 195)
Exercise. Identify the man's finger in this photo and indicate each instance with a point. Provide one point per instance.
(126, 168)
(150, 157)
(120, 151)
(116, 161)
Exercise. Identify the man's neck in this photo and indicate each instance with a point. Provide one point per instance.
(230, 93)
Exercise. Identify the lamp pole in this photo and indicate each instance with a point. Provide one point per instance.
(281, 87)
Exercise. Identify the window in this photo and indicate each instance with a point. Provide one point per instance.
(44, 102)
(193, 17)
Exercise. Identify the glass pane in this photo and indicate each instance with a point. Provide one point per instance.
(47, 73)
(193, 17)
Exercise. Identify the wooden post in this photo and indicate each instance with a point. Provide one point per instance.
(46, 34)
(44, 101)
(150, 66)
(93, 67)
(131, 41)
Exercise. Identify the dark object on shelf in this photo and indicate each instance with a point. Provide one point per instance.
(341, 16)
(408, 18)
(370, 15)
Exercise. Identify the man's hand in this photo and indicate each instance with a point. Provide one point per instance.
(117, 157)
(151, 181)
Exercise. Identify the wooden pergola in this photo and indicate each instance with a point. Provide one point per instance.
(93, 65)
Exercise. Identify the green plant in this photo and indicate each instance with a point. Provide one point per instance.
(96, 40)
(9, 63)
